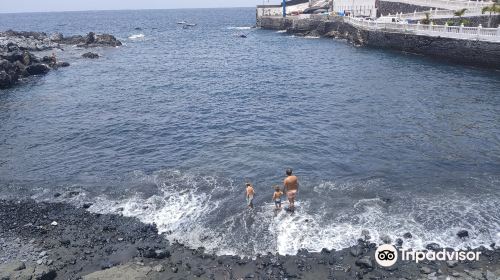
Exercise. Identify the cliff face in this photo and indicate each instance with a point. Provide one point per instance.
(480, 53)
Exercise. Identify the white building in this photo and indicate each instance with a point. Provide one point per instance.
(355, 7)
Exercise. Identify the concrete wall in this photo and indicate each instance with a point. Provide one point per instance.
(473, 52)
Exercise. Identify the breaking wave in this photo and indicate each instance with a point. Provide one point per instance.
(210, 211)
(240, 27)
(136, 36)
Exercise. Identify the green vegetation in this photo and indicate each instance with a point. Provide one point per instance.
(493, 9)
(460, 13)
(427, 19)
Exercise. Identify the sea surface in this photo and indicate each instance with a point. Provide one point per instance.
(171, 125)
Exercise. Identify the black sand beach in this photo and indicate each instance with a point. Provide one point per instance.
(60, 241)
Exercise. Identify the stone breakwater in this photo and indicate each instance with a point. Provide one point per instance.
(472, 52)
(60, 241)
(18, 51)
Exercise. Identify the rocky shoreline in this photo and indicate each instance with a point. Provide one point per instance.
(40, 240)
(468, 52)
(19, 52)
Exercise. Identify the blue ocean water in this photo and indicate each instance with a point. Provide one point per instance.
(172, 124)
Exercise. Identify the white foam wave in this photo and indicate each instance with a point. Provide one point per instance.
(205, 212)
(281, 31)
(176, 210)
(239, 27)
(136, 36)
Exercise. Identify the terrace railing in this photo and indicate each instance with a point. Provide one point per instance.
(446, 4)
(457, 32)
(435, 13)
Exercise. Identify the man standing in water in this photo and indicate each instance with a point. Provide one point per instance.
(291, 186)
(250, 192)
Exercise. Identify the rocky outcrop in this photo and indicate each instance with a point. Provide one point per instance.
(30, 41)
(39, 41)
(91, 40)
(17, 58)
(90, 55)
(16, 63)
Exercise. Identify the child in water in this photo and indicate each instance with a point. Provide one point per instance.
(249, 195)
(277, 197)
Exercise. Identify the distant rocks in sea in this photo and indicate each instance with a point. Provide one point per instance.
(17, 52)
(90, 55)
(40, 41)
(91, 40)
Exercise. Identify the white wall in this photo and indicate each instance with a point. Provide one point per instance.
(278, 11)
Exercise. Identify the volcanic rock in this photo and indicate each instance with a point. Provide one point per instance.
(90, 55)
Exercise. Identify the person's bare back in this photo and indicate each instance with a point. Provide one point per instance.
(291, 183)
(291, 186)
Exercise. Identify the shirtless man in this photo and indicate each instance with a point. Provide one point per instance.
(250, 192)
(291, 186)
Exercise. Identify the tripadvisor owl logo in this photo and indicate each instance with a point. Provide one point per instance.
(386, 255)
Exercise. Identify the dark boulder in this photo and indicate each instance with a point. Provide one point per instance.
(147, 252)
(107, 40)
(433, 247)
(62, 64)
(11, 47)
(407, 235)
(399, 242)
(365, 262)
(162, 254)
(86, 205)
(49, 60)
(151, 253)
(73, 40)
(44, 273)
(5, 79)
(463, 234)
(90, 38)
(90, 55)
(12, 56)
(356, 251)
(38, 69)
